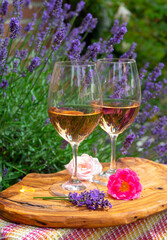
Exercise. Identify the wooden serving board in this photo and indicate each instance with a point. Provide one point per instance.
(20, 206)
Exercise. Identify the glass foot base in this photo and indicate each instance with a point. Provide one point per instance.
(73, 185)
(107, 173)
(63, 188)
(102, 178)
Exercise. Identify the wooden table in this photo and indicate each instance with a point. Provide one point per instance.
(18, 205)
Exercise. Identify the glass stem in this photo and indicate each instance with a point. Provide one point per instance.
(75, 153)
(113, 152)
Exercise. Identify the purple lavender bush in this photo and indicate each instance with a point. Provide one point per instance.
(28, 142)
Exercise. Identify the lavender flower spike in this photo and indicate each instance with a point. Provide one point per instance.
(92, 51)
(27, 3)
(1, 25)
(4, 8)
(18, 5)
(115, 27)
(80, 6)
(4, 84)
(93, 199)
(130, 52)
(57, 5)
(126, 145)
(118, 36)
(29, 27)
(23, 54)
(47, 121)
(34, 63)
(14, 28)
(85, 23)
(92, 24)
(75, 50)
(59, 37)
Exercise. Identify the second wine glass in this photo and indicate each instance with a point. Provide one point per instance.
(121, 100)
(74, 108)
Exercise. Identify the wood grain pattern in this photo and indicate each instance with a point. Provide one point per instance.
(21, 207)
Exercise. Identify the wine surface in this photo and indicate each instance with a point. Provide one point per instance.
(74, 125)
(118, 115)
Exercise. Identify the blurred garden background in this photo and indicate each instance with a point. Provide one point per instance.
(56, 30)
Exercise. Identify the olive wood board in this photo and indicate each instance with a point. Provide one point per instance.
(20, 206)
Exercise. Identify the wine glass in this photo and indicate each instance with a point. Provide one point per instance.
(74, 108)
(121, 100)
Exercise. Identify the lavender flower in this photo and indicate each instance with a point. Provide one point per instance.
(5, 171)
(66, 8)
(85, 23)
(141, 131)
(143, 71)
(147, 143)
(95, 151)
(41, 36)
(57, 13)
(130, 52)
(27, 3)
(64, 144)
(4, 8)
(115, 27)
(57, 5)
(49, 6)
(92, 51)
(47, 121)
(4, 84)
(80, 6)
(1, 25)
(33, 98)
(158, 128)
(58, 38)
(161, 149)
(92, 24)
(93, 199)
(23, 54)
(14, 28)
(154, 110)
(163, 159)
(45, 18)
(43, 52)
(72, 35)
(17, 53)
(3, 56)
(23, 74)
(18, 5)
(6, 70)
(127, 143)
(118, 35)
(34, 64)
(31, 40)
(15, 65)
(151, 86)
(48, 78)
(75, 50)
(6, 42)
(29, 27)
(69, 15)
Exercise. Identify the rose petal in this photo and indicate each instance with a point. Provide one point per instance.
(130, 180)
(87, 167)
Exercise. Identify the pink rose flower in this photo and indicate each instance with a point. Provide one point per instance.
(87, 167)
(124, 184)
